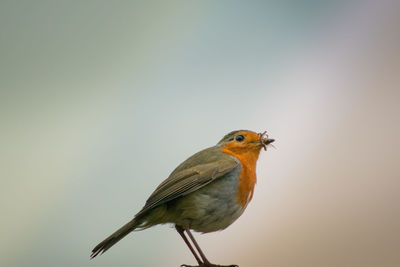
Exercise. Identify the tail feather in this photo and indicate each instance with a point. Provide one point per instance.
(114, 238)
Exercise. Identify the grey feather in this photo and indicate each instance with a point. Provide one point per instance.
(209, 165)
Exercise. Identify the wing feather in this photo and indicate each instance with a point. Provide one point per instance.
(188, 180)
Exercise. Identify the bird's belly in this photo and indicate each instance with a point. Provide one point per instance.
(211, 208)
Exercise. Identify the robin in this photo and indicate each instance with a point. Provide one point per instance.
(205, 193)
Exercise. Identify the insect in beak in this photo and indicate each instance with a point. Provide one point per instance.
(264, 140)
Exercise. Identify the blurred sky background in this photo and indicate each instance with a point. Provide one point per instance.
(101, 100)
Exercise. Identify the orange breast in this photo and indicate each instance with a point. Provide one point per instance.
(247, 176)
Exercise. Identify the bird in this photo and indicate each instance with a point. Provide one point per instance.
(205, 193)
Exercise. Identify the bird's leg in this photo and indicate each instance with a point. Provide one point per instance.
(181, 232)
(206, 262)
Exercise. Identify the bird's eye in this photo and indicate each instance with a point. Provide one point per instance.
(239, 138)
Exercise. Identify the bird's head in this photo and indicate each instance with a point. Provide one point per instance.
(244, 141)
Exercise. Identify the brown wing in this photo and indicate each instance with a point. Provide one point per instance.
(188, 180)
(192, 174)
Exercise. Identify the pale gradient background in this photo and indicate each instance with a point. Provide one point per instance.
(100, 100)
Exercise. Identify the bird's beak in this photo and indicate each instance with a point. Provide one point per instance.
(268, 141)
(265, 140)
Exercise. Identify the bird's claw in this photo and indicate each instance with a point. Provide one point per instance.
(209, 265)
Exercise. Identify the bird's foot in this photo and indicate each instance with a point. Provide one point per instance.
(209, 265)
